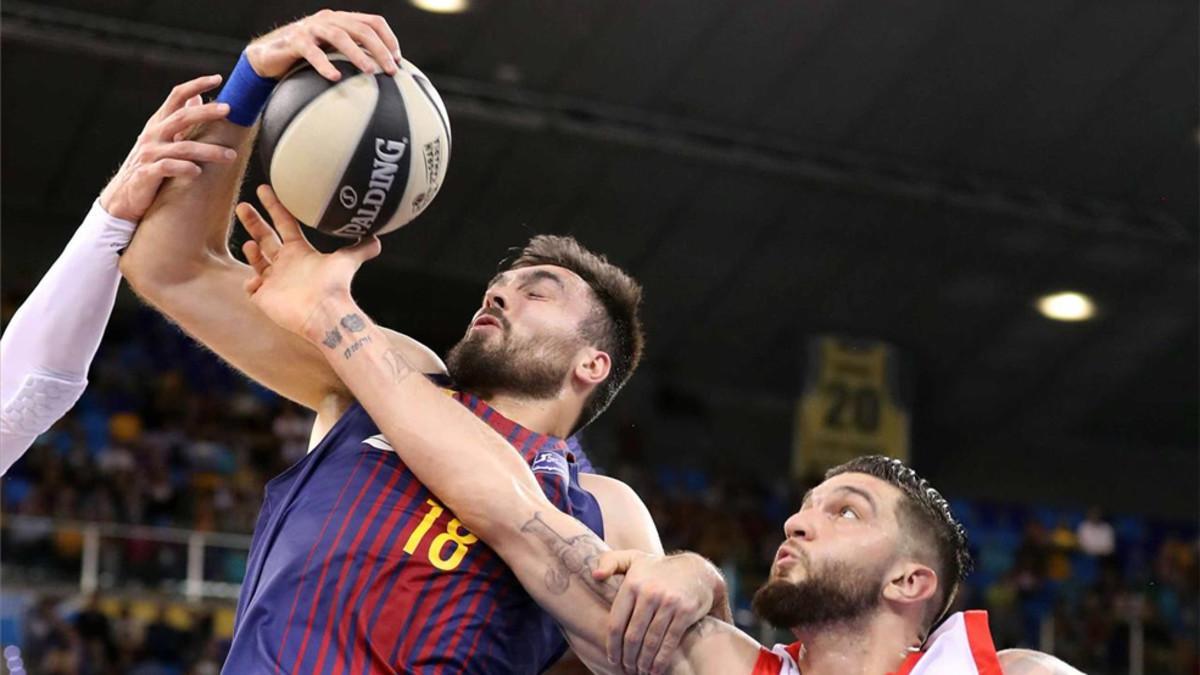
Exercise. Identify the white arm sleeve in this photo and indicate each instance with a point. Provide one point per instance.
(48, 346)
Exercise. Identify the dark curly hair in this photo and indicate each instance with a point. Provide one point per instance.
(614, 327)
(925, 516)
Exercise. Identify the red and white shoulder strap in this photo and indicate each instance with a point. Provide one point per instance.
(962, 644)
(780, 660)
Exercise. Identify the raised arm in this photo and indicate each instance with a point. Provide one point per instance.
(180, 262)
(463, 461)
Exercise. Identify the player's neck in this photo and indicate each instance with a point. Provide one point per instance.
(869, 647)
(551, 416)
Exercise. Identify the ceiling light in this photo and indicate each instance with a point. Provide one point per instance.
(1066, 306)
(442, 6)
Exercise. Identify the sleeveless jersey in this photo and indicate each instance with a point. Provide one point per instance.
(355, 567)
(962, 645)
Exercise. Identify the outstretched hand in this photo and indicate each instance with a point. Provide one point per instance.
(163, 151)
(366, 39)
(291, 278)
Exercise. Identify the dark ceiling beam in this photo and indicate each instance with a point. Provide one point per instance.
(115, 38)
(516, 108)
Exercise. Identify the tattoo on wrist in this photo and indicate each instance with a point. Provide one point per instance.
(573, 557)
(353, 323)
(356, 345)
(332, 338)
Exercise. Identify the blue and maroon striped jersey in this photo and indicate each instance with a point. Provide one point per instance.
(356, 568)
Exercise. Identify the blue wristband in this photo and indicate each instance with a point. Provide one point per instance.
(246, 92)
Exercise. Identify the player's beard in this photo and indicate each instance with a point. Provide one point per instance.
(837, 592)
(529, 368)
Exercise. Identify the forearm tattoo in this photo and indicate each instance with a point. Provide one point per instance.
(332, 338)
(574, 557)
(577, 557)
(353, 323)
(397, 365)
(356, 345)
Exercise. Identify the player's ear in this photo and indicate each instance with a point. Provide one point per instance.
(593, 366)
(911, 582)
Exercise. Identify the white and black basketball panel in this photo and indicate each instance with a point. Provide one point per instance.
(364, 155)
(429, 133)
(309, 128)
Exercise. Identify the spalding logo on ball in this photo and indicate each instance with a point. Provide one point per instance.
(363, 155)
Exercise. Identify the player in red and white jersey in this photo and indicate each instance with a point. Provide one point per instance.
(962, 645)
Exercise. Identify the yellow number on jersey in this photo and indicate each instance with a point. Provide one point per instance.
(454, 533)
(459, 537)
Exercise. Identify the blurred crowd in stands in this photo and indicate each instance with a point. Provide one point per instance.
(63, 637)
(165, 436)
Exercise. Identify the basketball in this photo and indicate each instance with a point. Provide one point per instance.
(363, 155)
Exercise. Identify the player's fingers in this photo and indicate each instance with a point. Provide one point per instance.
(196, 151)
(611, 563)
(381, 27)
(637, 630)
(169, 168)
(259, 230)
(255, 257)
(191, 103)
(285, 223)
(656, 632)
(341, 40)
(185, 91)
(185, 118)
(618, 619)
(253, 284)
(320, 61)
(670, 644)
(368, 247)
(365, 35)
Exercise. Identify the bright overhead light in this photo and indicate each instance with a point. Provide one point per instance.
(1066, 306)
(442, 6)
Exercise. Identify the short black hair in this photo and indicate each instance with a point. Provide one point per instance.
(615, 327)
(925, 515)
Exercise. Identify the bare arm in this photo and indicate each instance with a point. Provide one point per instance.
(180, 263)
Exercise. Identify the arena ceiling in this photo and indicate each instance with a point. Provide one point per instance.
(917, 171)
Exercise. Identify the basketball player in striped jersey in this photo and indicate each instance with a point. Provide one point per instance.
(870, 564)
(354, 565)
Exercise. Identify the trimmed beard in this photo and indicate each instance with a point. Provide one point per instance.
(836, 593)
(533, 368)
